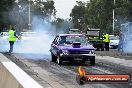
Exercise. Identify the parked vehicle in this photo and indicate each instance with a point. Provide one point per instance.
(95, 37)
(114, 41)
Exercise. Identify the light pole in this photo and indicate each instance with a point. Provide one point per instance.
(29, 15)
(114, 18)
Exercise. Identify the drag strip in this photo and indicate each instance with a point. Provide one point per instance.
(65, 75)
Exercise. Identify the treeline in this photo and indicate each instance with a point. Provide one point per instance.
(5, 6)
(99, 14)
(16, 12)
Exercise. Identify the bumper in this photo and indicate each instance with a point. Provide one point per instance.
(78, 57)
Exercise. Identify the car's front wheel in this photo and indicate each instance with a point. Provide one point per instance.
(59, 60)
(102, 48)
(53, 57)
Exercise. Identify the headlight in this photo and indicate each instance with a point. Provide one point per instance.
(92, 52)
(65, 52)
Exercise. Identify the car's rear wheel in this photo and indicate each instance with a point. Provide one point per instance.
(97, 49)
(92, 61)
(53, 57)
(59, 60)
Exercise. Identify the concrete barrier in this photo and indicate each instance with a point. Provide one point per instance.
(11, 76)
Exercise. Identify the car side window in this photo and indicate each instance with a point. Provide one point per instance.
(55, 40)
(58, 40)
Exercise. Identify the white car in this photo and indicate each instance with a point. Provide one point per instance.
(4, 35)
(26, 36)
(4, 38)
(114, 41)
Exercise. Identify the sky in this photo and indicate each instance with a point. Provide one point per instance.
(64, 7)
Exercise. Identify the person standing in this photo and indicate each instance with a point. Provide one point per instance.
(106, 41)
(12, 38)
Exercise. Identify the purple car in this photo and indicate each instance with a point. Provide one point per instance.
(72, 47)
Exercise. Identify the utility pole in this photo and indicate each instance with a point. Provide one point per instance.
(114, 18)
(29, 15)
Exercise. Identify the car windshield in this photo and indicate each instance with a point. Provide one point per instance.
(72, 39)
(114, 37)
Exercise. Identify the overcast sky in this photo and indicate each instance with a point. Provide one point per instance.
(64, 7)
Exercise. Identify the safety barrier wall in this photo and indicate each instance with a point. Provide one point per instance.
(11, 76)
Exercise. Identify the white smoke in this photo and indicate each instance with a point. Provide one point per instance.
(38, 42)
(35, 45)
(125, 44)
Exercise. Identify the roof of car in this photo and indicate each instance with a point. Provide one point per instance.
(70, 34)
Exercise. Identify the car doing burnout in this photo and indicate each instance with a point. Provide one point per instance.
(72, 47)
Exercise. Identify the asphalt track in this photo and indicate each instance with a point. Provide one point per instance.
(51, 75)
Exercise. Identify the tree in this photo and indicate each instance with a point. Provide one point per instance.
(78, 15)
(5, 6)
(99, 14)
(43, 8)
(62, 26)
(18, 15)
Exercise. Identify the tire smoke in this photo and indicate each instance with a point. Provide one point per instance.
(38, 42)
(125, 43)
